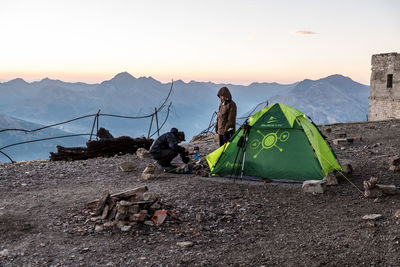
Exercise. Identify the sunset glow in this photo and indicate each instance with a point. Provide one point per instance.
(221, 41)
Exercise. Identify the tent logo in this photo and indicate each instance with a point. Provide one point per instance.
(269, 141)
(272, 119)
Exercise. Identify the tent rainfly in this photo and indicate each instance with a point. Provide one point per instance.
(277, 142)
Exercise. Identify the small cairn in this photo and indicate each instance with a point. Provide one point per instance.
(128, 208)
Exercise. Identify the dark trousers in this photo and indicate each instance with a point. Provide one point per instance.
(165, 157)
(224, 138)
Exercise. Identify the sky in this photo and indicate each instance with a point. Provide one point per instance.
(235, 41)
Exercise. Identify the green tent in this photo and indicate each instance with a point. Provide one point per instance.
(278, 142)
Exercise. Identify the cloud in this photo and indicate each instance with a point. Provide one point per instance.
(303, 32)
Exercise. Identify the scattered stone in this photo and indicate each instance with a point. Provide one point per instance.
(394, 168)
(149, 223)
(128, 166)
(395, 160)
(148, 176)
(347, 168)
(314, 186)
(150, 169)
(199, 217)
(340, 141)
(341, 135)
(185, 244)
(143, 153)
(373, 193)
(397, 214)
(4, 253)
(330, 179)
(95, 219)
(149, 172)
(159, 217)
(388, 189)
(108, 224)
(98, 228)
(126, 228)
(372, 217)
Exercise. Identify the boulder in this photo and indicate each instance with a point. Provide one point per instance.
(373, 193)
(347, 168)
(388, 189)
(127, 166)
(314, 186)
(330, 179)
(372, 217)
(340, 141)
(143, 153)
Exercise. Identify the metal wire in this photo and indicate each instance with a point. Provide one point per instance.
(96, 121)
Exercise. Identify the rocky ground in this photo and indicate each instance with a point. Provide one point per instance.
(224, 222)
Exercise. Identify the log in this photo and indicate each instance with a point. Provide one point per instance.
(105, 147)
(101, 203)
(130, 193)
(120, 195)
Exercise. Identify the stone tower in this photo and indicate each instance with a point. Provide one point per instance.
(384, 97)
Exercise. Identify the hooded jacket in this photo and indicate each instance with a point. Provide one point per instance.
(226, 118)
(167, 141)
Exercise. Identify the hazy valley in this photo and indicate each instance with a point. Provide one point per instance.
(332, 99)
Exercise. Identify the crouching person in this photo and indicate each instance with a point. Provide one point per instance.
(165, 148)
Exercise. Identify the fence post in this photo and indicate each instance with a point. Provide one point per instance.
(158, 130)
(94, 122)
(151, 124)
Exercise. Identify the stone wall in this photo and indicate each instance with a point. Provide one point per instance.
(384, 101)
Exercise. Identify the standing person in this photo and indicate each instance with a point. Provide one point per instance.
(165, 148)
(226, 119)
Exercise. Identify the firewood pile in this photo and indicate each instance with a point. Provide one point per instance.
(128, 208)
(105, 147)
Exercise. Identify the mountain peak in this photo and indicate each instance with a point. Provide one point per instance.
(123, 76)
(17, 81)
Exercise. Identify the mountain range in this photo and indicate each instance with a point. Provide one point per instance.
(335, 98)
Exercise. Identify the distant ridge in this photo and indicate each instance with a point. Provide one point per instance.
(331, 99)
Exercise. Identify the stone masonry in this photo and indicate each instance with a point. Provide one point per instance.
(384, 99)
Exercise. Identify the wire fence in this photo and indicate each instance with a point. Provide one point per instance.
(154, 119)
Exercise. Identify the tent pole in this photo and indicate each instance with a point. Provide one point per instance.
(246, 137)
